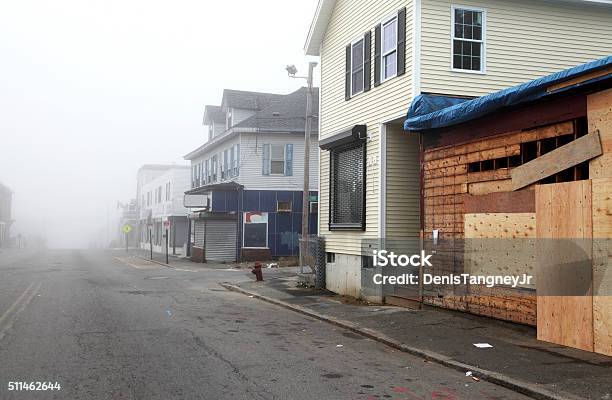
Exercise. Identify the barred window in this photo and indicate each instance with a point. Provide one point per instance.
(347, 191)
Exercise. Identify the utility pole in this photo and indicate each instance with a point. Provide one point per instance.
(167, 245)
(292, 71)
(306, 190)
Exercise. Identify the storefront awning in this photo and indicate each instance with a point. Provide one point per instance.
(223, 186)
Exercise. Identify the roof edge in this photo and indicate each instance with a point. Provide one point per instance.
(318, 26)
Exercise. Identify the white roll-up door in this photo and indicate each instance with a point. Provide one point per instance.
(198, 237)
(221, 240)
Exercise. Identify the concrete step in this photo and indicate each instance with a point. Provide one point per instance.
(401, 301)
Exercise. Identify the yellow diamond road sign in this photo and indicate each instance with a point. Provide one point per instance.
(127, 228)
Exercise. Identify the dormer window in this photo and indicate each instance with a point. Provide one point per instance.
(229, 119)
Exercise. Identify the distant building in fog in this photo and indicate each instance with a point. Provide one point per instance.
(5, 215)
(160, 190)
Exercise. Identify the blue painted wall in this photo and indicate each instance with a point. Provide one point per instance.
(283, 228)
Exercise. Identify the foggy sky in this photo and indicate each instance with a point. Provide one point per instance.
(91, 90)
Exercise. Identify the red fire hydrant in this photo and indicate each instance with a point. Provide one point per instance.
(257, 271)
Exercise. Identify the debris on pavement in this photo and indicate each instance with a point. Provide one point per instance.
(483, 345)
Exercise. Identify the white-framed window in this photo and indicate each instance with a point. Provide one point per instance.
(357, 66)
(255, 230)
(168, 192)
(234, 157)
(225, 164)
(389, 48)
(277, 159)
(214, 167)
(468, 39)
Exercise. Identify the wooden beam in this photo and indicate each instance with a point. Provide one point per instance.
(574, 153)
(580, 79)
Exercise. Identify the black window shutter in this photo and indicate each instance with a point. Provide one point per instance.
(347, 74)
(401, 42)
(367, 64)
(377, 55)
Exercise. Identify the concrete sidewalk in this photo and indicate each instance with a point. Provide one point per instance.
(516, 360)
(176, 261)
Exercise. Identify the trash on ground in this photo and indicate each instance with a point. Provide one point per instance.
(476, 379)
(339, 345)
(469, 373)
(251, 296)
(483, 345)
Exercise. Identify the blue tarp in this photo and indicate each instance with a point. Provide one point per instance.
(424, 115)
(427, 103)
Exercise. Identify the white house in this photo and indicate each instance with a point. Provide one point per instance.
(160, 190)
(251, 170)
(377, 57)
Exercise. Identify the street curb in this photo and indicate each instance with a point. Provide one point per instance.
(497, 378)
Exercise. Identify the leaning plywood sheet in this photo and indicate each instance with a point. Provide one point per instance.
(602, 265)
(564, 250)
(574, 153)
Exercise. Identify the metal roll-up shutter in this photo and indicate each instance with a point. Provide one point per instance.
(221, 240)
(199, 229)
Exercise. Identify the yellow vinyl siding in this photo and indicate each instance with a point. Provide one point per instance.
(524, 40)
(402, 185)
(350, 20)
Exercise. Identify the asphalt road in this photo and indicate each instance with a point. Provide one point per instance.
(109, 327)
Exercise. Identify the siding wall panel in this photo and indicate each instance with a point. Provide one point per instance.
(551, 37)
(381, 104)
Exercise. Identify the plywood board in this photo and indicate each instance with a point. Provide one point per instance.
(560, 159)
(500, 225)
(502, 202)
(500, 244)
(602, 265)
(563, 211)
(602, 324)
(599, 114)
(480, 188)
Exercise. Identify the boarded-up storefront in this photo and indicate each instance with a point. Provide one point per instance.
(523, 185)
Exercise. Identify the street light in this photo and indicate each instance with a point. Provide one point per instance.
(292, 71)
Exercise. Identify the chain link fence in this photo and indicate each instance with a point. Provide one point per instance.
(312, 254)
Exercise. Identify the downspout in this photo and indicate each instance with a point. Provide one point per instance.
(422, 211)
